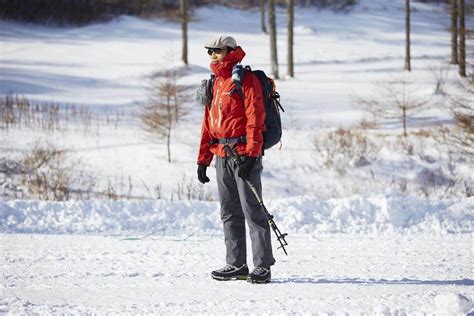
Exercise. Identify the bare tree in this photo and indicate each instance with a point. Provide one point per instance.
(164, 109)
(460, 138)
(262, 16)
(394, 101)
(290, 6)
(407, 31)
(462, 39)
(469, 12)
(440, 74)
(470, 36)
(273, 38)
(462, 108)
(454, 32)
(184, 29)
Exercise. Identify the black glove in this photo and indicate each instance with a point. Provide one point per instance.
(202, 174)
(246, 167)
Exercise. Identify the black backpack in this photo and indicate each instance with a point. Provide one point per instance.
(271, 100)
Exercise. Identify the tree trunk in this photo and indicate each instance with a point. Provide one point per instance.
(168, 145)
(290, 37)
(273, 38)
(184, 29)
(407, 28)
(462, 39)
(262, 16)
(454, 32)
(404, 118)
(169, 127)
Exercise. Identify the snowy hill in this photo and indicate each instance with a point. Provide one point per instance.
(106, 69)
(377, 223)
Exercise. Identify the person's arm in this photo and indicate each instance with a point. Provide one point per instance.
(205, 154)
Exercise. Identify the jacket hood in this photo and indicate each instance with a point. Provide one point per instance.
(224, 68)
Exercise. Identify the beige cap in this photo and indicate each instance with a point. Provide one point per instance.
(222, 41)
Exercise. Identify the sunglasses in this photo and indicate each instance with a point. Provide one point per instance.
(214, 50)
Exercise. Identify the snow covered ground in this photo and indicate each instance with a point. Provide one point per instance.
(388, 234)
(323, 274)
(359, 255)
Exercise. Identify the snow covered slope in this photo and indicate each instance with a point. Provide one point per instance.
(107, 68)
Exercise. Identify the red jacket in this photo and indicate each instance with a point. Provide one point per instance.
(231, 115)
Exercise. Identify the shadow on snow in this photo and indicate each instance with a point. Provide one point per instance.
(404, 281)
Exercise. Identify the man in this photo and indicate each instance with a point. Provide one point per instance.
(236, 120)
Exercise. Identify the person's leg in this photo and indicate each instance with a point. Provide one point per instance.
(257, 221)
(231, 214)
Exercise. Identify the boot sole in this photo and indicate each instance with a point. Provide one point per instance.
(258, 281)
(233, 278)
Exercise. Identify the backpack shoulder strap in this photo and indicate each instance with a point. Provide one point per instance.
(210, 88)
(211, 84)
(238, 72)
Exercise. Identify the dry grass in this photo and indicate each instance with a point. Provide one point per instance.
(47, 173)
(344, 148)
(191, 190)
(21, 113)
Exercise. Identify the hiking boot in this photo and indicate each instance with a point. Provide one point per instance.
(260, 275)
(230, 272)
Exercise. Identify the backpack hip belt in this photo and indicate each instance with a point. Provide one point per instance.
(231, 141)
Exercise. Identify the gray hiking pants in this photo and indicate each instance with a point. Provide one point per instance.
(239, 204)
